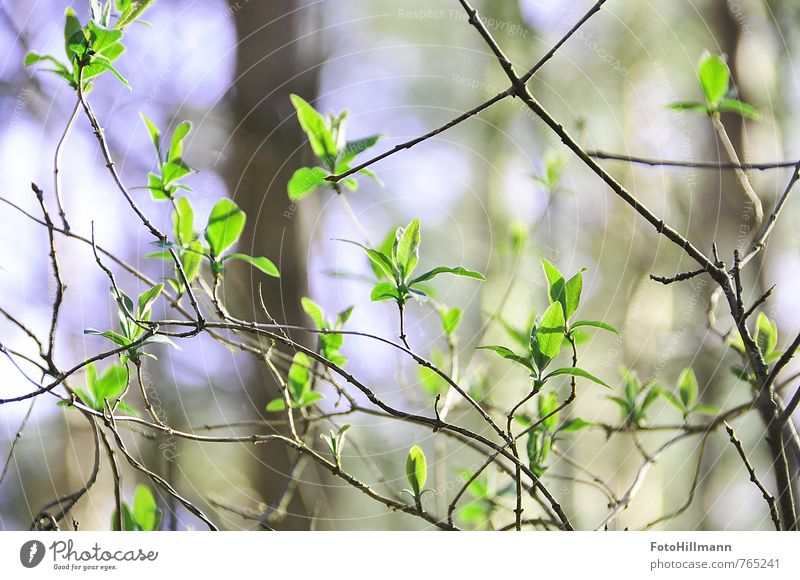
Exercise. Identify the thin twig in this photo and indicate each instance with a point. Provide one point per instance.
(773, 509)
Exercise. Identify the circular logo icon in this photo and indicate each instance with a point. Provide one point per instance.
(31, 553)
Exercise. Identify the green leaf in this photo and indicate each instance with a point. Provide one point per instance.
(309, 398)
(145, 509)
(548, 336)
(264, 264)
(156, 186)
(509, 354)
(344, 316)
(33, 58)
(766, 334)
(574, 425)
(595, 324)
(457, 271)
(416, 470)
(632, 385)
(714, 76)
(706, 409)
(176, 147)
(191, 260)
(548, 403)
(72, 27)
(431, 381)
(652, 394)
(353, 148)
(577, 372)
(110, 335)
(276, 405)
(555, 282)
(315, 127)
(299, 376)
(183, 221)
(379, 259)
(103, 38)
(133, 11)
(225, 226)
(384, 291)
(314, 311)
(622, 404)
(408, 248)
(305, 180)
(568, 293)
(451, 319)
(111, 384)
(689, 106)
(673, 400)
(99, 65)
(128, 521)
(155, 134)
(572, 294)
(688, 388)
(174, 170)
(737, 106)
(147, 298)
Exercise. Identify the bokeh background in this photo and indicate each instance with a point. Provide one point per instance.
(402, 68)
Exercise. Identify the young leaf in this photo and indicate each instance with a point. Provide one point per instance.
(384, 291)
(595, 324)
(714, 76)
(176, 147)
(110, 385)
(577, 372)
(572, 294)
(451, 319)
(706, 409)
(408, 248)
(128, 521)
(766, 334)
(276, 405)
(379, 259)
(314, 311)
(556, 283)
(173, 171)
(305, 180)
(147, 298)
(353, 148)
(688, 388)
(73, 31)
(262, 263)
(299, 376)
(509, 354)
(183, 221)
(457, 271)
(191, 260)
(574, 425)
(548, 403)
(145, 509)
(315, 127)
(689, 106)
(548, 336)
(416, 470)
(225, 225)
(737, 106)
(309, 398)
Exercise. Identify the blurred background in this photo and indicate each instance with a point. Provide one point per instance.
(401, 69)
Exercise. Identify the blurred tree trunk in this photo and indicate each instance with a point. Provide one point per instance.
(268, 61)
